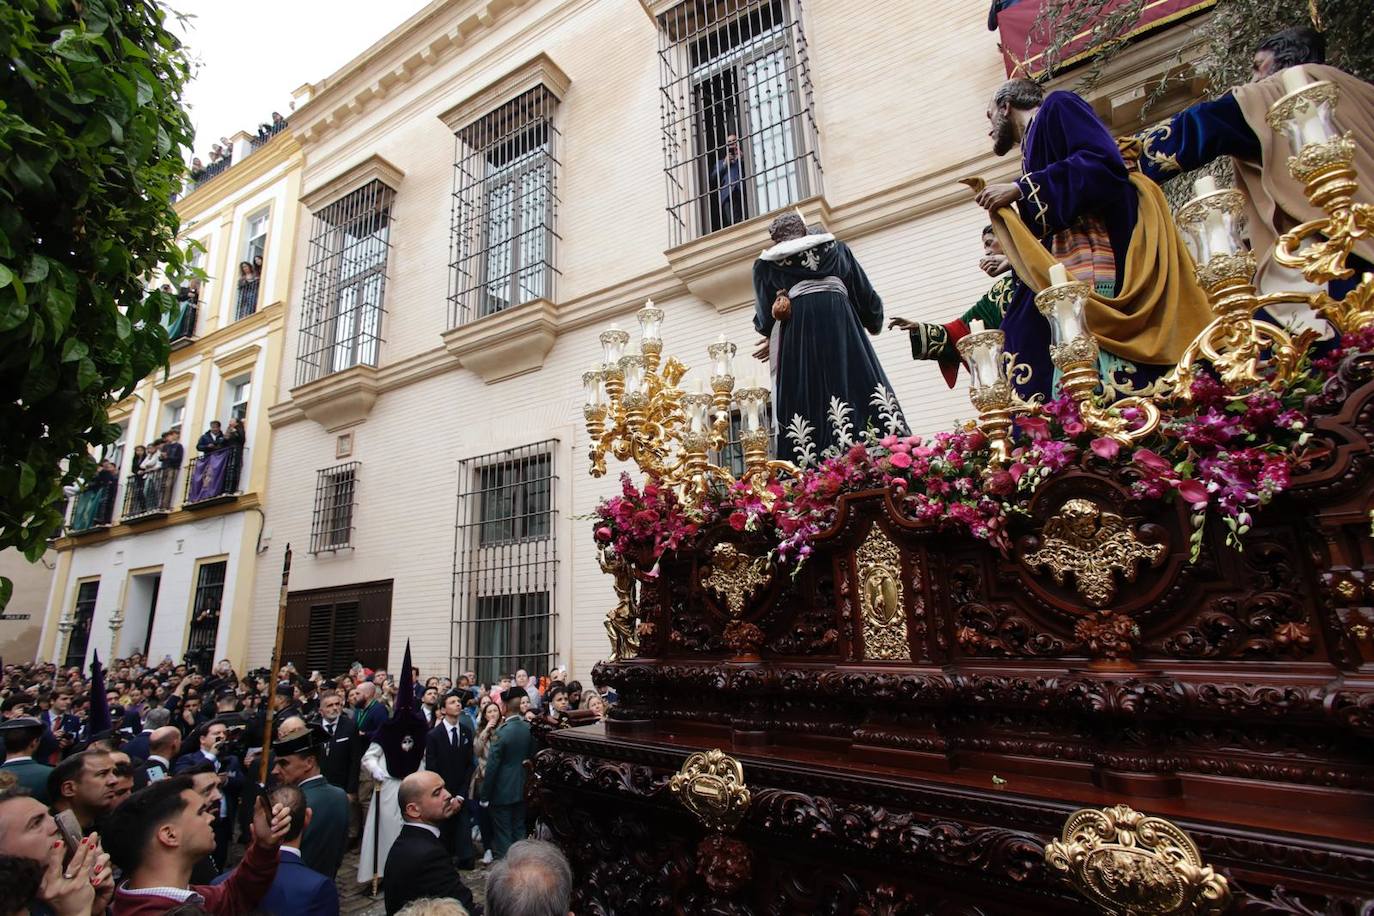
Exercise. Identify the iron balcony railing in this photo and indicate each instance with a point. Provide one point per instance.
(94, 508)
(265, 132)
(149, 493)
(210, 171)
(248, 298)
(183, 327)
(215, 476)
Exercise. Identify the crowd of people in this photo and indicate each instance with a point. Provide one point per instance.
(222, 153)
(142, 790)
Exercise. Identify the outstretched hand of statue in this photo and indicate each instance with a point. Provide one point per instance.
(901, 324)
(760, 352)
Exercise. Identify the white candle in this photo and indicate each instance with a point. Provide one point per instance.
(648, 303)
(1059, 274)
(1293, 79)
(975, 326)
(701, 386)
(1207, 184)
(720, 339)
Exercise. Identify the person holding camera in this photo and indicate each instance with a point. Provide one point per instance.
(213, 738)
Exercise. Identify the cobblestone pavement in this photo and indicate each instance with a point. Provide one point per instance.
(354, 899)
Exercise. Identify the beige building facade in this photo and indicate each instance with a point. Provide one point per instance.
(491, 185)
(163, 563)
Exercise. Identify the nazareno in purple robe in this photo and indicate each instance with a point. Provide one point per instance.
(1071, 169)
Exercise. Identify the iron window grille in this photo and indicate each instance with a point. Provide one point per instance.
(505, 203)
(345, 280)
(505, 565)
(336, 493)
(82, 615)
(735, 68)
(205, 614)
(247, 298)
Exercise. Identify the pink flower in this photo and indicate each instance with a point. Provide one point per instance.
(900, 460)
(603, 535)
(1073, 426)
(738, 520)
(1151, 462)
(1001, 483)
(1194, 491)
(888, 441)
(1016, 470)
(1038, 428)
(1105, 447)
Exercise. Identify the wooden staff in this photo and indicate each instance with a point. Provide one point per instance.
(276, 666)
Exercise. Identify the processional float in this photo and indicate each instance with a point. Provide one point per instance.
(861, 707)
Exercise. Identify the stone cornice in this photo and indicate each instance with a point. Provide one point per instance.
(338, 400)
(396, 60)
(350, 179)
(509, 343)
(269, 316)
(540, 70)
(208, 196)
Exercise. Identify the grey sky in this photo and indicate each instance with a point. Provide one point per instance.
(253, 53)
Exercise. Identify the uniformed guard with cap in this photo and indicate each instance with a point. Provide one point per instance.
(326, 836)
(21, 736)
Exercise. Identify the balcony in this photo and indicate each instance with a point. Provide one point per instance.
(247, 299)
(215, 477)
(182, 331)
(149, 494)
(210, 171)
(94, 509)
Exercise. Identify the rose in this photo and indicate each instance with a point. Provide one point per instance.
(738, 520)
(603, 535)
(900, 460)
(1105, 447)
(1194, 491)
(1038, 428)
(1001, 483)
(1152, 462)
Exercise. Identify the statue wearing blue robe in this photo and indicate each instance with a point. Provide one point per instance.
(822, 349)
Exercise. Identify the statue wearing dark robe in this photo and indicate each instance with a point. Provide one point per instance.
(821, 349)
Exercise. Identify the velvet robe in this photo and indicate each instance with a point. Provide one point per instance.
(822, 350)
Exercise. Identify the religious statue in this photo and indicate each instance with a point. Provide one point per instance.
(621, 619)
(1111, 228)
(937, 341)
(814, 304)
(1234, 126)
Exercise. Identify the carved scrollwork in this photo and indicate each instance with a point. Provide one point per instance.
(711, 786)
(1132, 865)
(735, 576)
(1093, 545)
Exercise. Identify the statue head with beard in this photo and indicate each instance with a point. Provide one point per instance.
(1013, 105)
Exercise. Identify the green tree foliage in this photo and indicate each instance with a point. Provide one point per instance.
(92, 144)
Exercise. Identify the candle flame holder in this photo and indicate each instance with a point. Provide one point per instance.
(993, 375)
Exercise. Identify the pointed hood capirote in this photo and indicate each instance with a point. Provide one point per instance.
(98, 722)
(402, 736)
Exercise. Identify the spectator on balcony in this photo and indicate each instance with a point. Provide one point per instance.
(234, 441)
(211, 439)
(257, 267)
(151, 478)
(106, 482)
(197, 169)
(173, 452)
(727, 178)
(216, 153)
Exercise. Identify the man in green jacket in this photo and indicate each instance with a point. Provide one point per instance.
(22, 735)
(298, 764)
(503, 786)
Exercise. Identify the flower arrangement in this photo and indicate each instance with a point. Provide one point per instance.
(1218, 453)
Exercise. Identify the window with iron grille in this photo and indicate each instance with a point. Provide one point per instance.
(82, 615)
(506, 562)
(345, 279)
(205, 613)
(504, 204)
(739, 130)
(336, 491)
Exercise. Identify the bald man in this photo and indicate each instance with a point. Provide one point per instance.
(162, 747)
(419, 864)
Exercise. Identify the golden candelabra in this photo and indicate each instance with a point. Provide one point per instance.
(636, 411)
(993, 375)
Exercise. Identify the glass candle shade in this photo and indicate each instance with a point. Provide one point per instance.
(650, 323)
(1306, 115)
(591, 387)
(1063, 307)
(983, 354)
(722, 355)
(1213, 225)
(698, 408)
(613, 342)
(752, 402)
(633, 367)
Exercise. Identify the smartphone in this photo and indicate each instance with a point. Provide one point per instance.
(70, 828)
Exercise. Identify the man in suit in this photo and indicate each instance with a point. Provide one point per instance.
(418, 864)
(231, 779)
(449, 752)
(298, 764)
(60, 727)
(504, 783)
(21, 736)
(342, 749)
(162, 749)
(156, 718)
(297, 889)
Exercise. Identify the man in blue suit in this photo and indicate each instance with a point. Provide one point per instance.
(296, 890)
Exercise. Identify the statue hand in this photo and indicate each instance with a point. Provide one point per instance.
(901, 324)
(996, 196)
(760, 352)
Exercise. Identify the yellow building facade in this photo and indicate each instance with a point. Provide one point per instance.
(164, 566)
